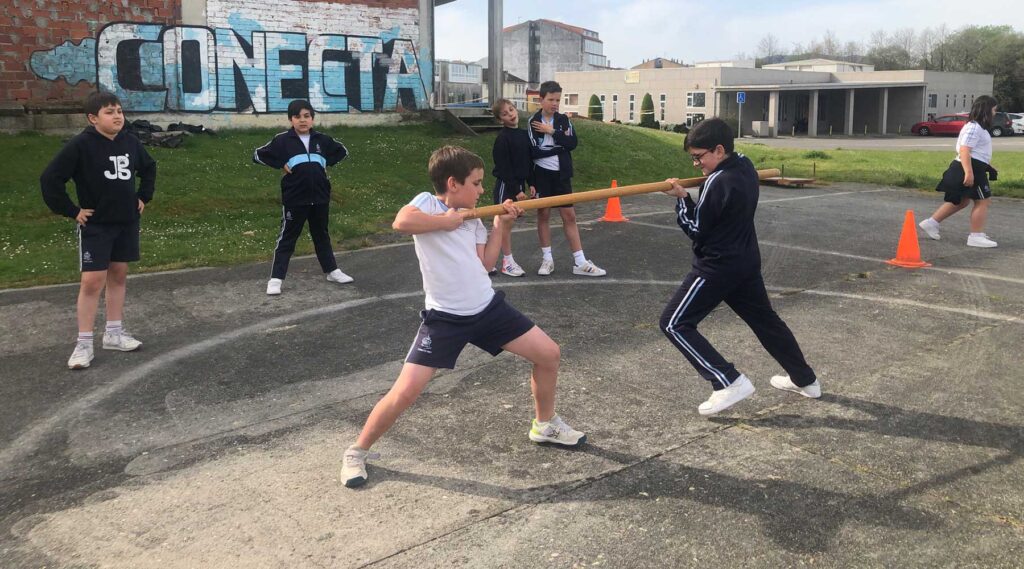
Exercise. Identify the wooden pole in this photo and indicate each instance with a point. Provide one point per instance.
(594, 195)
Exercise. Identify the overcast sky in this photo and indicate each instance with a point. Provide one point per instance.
(634, 30)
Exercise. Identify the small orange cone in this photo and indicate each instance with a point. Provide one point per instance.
(908, 253)
(613, 212)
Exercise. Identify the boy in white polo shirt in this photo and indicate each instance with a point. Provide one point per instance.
(461, 306)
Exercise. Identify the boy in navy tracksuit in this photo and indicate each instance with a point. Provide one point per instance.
(513, 169)
(719, 218)
(304, 154)
(106, 164)
(553, 140)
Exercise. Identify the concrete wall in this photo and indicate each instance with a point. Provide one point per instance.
(234, 57)
(560, 50)
(515, 52)
(960, 89)
(675, 83)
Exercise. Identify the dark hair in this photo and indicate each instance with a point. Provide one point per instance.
(451, 162)
(981, 111)
(296, 107)
(549, 87)
(708, 134)
(499, 106)
(96, 101)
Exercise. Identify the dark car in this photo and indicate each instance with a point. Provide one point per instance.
(1002, 125)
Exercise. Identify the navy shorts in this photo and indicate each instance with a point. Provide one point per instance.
(550, 183)
(442, 336)
(506, 191)
(100, 244)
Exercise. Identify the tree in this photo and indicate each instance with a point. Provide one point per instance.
(647, 112)
(595, 110)
(768, 48)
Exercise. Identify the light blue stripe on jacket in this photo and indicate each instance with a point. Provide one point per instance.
(303, 158)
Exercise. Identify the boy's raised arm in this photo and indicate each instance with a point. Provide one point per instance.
(54, 179)
(566, 139)
(335, 152)
(411, 220)
(270, 154)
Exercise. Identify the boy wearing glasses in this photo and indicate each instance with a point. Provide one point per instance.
(719, 218)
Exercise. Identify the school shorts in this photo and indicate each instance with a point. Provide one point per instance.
(100, 244)
(442, 336)
(550, 183)
(508, 191)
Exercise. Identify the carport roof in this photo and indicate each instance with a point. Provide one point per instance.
(822, 86)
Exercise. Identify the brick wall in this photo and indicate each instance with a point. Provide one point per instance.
(27, 26)
(249, 56)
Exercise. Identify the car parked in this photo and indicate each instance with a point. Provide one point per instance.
(1002, 124)
(1017, 122)
(946, 124)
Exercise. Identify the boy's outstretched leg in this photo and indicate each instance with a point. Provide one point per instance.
(88, 303)
(537, 347)
(407, 388)
(115, 337)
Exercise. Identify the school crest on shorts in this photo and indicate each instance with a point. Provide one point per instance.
(425, 345)
(86, 257)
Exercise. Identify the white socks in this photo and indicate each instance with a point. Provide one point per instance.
(85, 337)
(113, 326)
(579, 258)
(546, 251)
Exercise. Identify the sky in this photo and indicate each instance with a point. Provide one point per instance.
(690, 31)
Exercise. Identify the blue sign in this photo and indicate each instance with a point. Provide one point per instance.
(741, 97)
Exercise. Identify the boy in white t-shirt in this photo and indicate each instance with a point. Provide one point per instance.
(461, 306)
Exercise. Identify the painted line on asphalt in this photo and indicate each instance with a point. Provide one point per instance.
(33, 437)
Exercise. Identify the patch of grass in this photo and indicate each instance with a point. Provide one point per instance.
(213, 206)
(817, 155)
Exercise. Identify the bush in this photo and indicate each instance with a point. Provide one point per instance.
(647, 112)
(817, 154)
(681, 128)
(595, 111)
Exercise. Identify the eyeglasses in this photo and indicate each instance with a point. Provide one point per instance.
(698, 157)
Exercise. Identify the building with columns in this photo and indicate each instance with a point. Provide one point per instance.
(778, 101)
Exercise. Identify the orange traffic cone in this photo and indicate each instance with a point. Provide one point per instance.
(613, 212)
(908, 253)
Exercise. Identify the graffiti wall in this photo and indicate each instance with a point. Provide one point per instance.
(245, 56)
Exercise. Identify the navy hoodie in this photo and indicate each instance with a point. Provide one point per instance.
(512, 162)
(308, 183)
(721, 222)
(105, 172)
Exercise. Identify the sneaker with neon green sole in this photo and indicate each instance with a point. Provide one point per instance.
(555, 431)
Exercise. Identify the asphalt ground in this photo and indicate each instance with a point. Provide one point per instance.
(218, 444)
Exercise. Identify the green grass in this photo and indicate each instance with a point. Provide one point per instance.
(213, 206)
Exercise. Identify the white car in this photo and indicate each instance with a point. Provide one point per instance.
(1018, 122)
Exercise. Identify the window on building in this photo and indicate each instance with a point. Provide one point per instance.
(571, 99)
(661, 103)
(965, 101)
(933, 101)
(632, 106)
(695, 99)
(947, 100)
(694, 118)
(615, 107)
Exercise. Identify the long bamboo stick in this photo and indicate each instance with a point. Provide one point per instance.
(594, 195)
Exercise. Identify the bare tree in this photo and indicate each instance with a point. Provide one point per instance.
(829, 44)
(769, 47)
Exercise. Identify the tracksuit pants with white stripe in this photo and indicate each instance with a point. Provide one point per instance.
(293, 217)
(697, 297)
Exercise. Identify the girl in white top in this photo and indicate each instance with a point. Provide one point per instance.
(972, 164)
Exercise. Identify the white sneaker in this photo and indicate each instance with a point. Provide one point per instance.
(123, 342)
(930, 227)
(274, 287)
(335, 276)
(353, 466)
(589, 269)
(981, 240)
(512, 269)
(557, 432)
(547, 266)
(784, 383)
(82, 356)
(724, 398)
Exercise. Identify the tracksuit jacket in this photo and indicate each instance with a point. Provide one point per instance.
(513, 164)
(308, 183)
(106, 173)
(721, 222)
(565, 142)
(952, 182)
